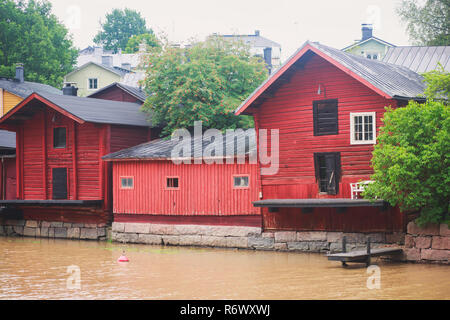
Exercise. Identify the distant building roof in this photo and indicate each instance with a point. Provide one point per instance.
(358, 43)
(86, 110)
(26, 88)
(95, 54)
(7, 139)
(116, 70)
(134, 91)
(389, 80)
(162, 149)
(133, 79)
(419, 59)
(254, 40)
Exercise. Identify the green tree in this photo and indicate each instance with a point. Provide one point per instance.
(411, 160)
(428, 24)
(205, 82)
(134, 42)
(31, 34)
(119, 27)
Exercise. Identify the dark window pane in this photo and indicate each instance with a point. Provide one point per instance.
(59, 137)
(172, 182)
(325, 117)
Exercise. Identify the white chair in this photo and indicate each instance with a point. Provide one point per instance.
(358, 187)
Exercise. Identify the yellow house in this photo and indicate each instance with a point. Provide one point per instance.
(13, 91)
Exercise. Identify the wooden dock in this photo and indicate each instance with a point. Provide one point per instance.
(362, 256)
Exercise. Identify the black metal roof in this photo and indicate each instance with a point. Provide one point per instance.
(97, 110)
(162, 148)
(7, 139)
(26, 88)
(134, 91)
(419, 59)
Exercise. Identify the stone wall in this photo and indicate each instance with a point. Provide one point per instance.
(429, 244)
(245, 237)
(58, 230)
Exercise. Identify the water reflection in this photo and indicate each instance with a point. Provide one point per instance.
(37, 269)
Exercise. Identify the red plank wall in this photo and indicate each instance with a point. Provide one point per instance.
(291, 111)
(116, 94)
(204, 189)
(8, 179)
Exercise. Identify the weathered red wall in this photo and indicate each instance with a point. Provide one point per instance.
(8, 179)
(291, 111)
(204, 189)
(116, 94)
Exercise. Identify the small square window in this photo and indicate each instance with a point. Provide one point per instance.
(93, 83)
(59, 138)
(363, 128)
(172, 183)
(127, 183)
(240, 182)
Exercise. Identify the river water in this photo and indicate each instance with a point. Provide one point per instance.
(50, 269)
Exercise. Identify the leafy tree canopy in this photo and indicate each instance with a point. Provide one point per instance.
(205, 82)
(32, 35)
(149, 39)
(119, 27)
(411, 160)
(429, 24)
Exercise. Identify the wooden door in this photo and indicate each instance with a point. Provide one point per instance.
(59, 183)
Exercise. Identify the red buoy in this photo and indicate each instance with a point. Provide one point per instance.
(123, 258)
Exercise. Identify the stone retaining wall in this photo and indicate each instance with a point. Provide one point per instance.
(59, 230)
(245, 237)
(429, 244)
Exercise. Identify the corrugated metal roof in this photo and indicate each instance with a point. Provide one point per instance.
(98, 110)
(419, 59)
(162, 148)
(7, 139)
(26, 88)
(395, 81)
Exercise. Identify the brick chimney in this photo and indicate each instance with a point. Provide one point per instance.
(19, 73)
(366, 31)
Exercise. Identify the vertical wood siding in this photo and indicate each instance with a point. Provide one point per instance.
(203, 189)
(116, 94)
(291, 111)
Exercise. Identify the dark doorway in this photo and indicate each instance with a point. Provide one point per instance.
(59, 183)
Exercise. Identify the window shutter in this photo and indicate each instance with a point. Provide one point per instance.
(325, 114)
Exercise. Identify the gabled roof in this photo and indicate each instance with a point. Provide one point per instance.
(388, 80)
(419, 59)
(358, 43)
(116, 70)
(83, 110)
(134, 91)
(161, 149)
(26, 88)
(253, 40)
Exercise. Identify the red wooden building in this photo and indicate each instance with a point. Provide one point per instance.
(60, 142)
(7, 165)
(328, 107)
(120, 92)
(149, 187)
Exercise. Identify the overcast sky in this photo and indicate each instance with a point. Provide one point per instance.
(336, 23)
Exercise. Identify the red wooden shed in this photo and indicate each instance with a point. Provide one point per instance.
(327, 106)
(60, 142)
(120, 92)
(149, 187)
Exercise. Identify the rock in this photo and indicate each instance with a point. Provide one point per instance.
(442, 243)
(268, 235)
(101, 232)
(237, 242)
(285, 236)
(51, 232)
(18, 230)
(355, 237)
(428, 230)
(171, 240)
(444, 230)
(161, 229)
(90, 225)
(67, 225)
(334, 236)
(395, 237)
(298, 246)
(423, 242)
(318, 246)
(61, 233)
(73, 233)
(412, 254)
(190, 240)
(137, 228)
(31, 224)
(29, 232)
(89, 233)
(261, 243)
(44, 232)
(280, 246)
(56, 224)
(213, 241)
(150, 239)
(118, 227)
(435, 255)
(376, 237)
(409, 241)
(311, 236)
(45, 224)
(125, 237)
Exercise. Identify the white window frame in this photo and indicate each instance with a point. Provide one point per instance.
(88, 87)
(352, 127)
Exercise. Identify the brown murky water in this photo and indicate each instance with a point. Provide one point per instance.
(37, 269)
